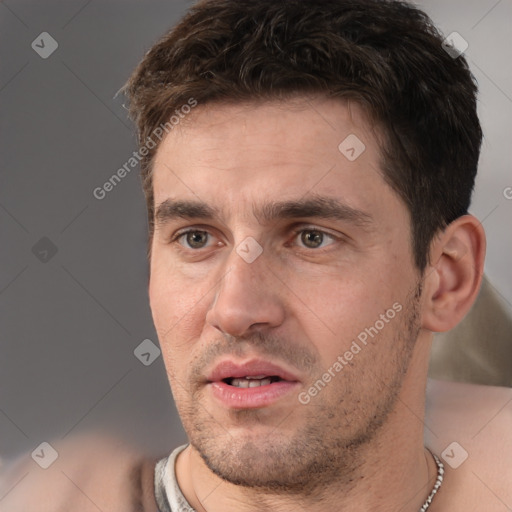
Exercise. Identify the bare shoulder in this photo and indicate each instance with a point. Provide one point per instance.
(86, 473)
(470, 427)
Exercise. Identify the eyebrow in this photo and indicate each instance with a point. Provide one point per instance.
(323, 207)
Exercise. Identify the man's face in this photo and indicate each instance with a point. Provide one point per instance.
(298, 254)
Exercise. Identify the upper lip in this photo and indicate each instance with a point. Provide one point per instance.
(230, 369)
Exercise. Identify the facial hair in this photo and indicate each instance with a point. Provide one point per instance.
(314, 445)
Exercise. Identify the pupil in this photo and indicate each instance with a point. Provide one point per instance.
(312, 238)
(196, 239)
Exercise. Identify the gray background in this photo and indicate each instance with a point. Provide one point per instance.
(69, 325)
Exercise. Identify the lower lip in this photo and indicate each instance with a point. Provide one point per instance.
(251, 398)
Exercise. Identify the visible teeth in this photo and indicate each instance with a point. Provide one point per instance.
(240, 383)
(262, 382)
(250, 383)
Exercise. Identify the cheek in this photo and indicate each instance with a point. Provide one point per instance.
(177, 317)
(178, 309)
(334, 312)
(336, 300)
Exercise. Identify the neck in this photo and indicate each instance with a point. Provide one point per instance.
(393, 471)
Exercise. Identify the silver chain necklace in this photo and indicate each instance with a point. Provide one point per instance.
(437, 485)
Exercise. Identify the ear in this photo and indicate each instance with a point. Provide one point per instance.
(453, 278)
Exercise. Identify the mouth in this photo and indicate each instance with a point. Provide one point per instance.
(253, 384)
(252, 373)
(251, 381)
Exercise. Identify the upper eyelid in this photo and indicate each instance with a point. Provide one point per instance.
(315, 228)
(179, 234)
(296, 229)
(184, 231)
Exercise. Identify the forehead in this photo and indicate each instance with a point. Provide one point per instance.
(224, 153)
(307, 128)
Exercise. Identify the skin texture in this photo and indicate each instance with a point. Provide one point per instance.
(301, 307)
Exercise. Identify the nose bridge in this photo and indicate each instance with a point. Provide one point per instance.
(244, 273)
(244, 296)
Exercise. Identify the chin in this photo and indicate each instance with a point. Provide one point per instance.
(270, 462)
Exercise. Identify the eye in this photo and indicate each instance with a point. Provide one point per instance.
(193, 239)
(314, 238)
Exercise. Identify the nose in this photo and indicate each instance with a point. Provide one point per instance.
(247, 298)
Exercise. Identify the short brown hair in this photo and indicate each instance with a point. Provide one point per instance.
(385, 55)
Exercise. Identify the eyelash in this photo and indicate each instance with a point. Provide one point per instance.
(177, 236)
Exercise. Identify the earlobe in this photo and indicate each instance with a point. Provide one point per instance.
(453, 280)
